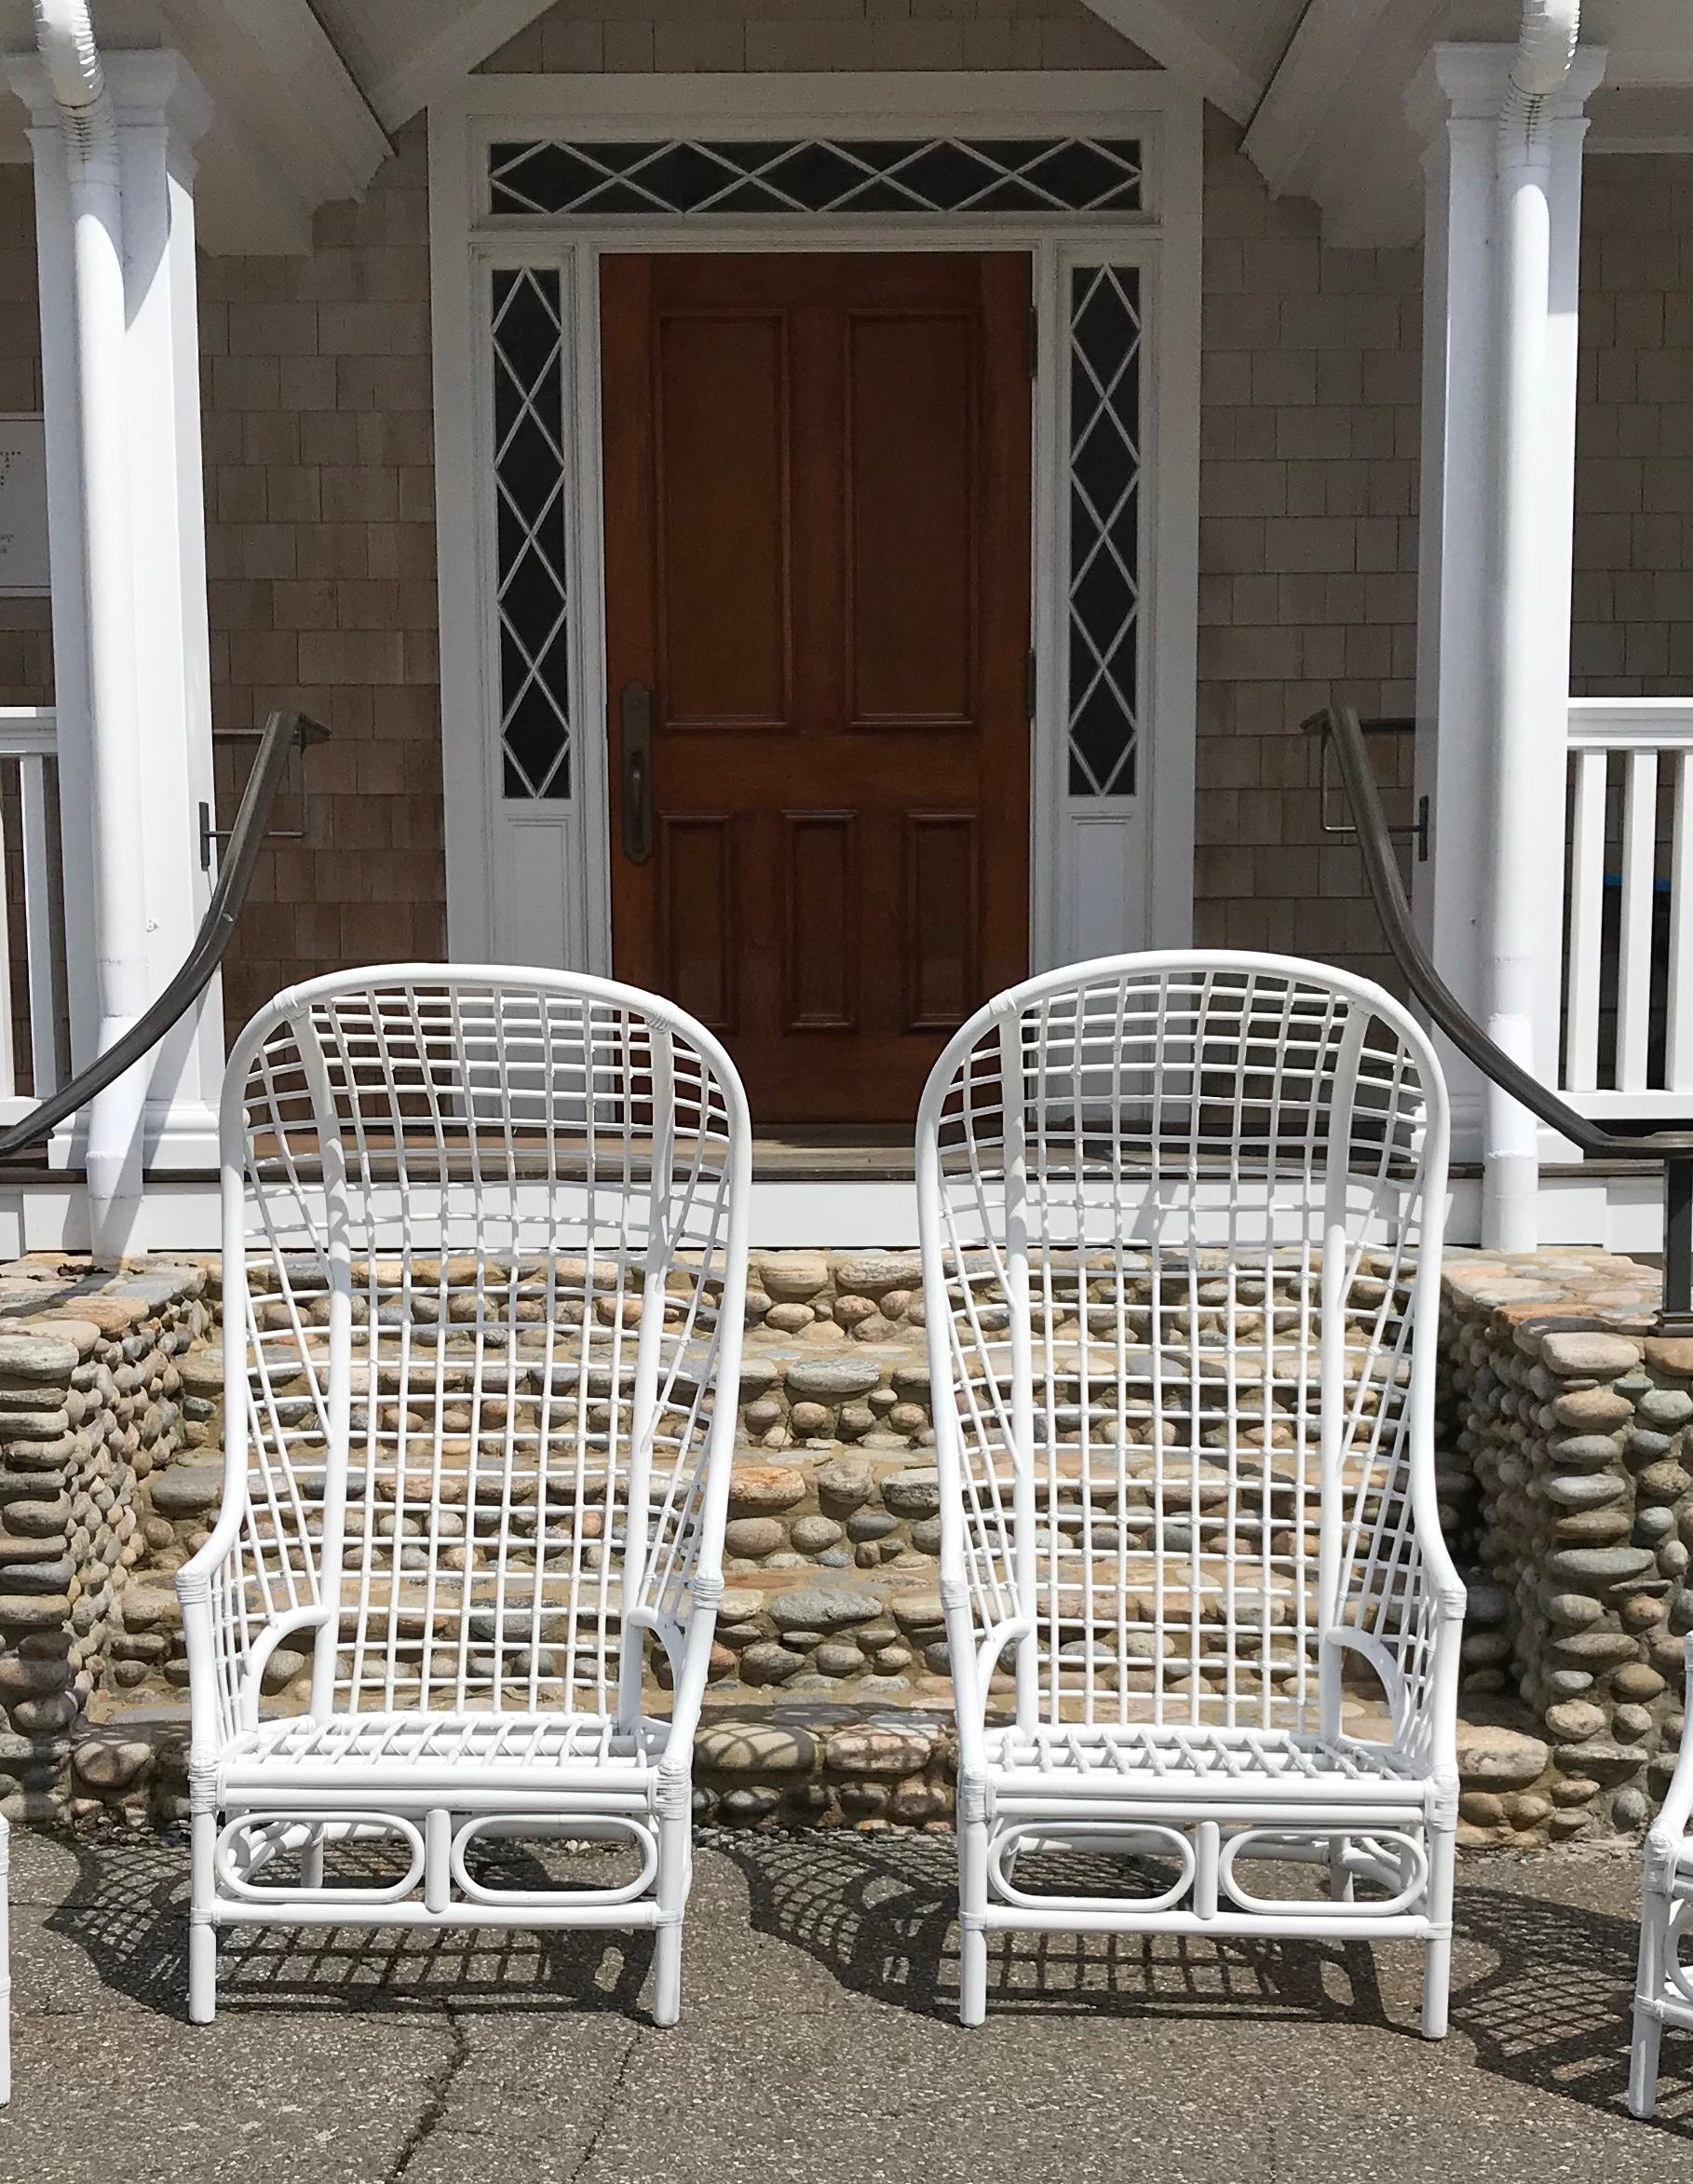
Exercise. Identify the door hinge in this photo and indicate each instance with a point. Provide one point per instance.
(1034, 340)
(1028, 683)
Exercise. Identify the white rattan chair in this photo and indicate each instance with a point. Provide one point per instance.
(1180, 1218)
(1663, 1989)
(484, 1263)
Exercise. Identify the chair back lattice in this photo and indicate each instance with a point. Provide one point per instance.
(1180, 1220)
(484, 1244)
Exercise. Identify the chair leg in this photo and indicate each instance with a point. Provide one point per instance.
(675, 1846)
(973, 1908)
(1648, 1992)
(202, 1934)
(1342, 1886)
(1437, 1952)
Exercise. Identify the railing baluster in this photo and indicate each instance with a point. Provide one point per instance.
(27, 735)
(8, 1056)
(1586, 921)
(40, 925)
(1639, 870)
(1678, 1034)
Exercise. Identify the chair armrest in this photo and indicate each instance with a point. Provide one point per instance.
(211, 1700)
(1675, 1819)
(228, 1642)
(687, 1648)
(973, 1663)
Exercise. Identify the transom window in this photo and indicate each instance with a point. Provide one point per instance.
(931, 174)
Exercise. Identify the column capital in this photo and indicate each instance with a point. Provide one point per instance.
(1463, 81)
(153, 88)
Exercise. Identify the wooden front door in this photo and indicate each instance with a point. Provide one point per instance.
(817, 475)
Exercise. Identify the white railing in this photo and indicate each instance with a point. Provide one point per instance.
(1627, 1008)
(32, 951)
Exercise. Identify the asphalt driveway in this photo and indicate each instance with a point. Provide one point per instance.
(818, 2042)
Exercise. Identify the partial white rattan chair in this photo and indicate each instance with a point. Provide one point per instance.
(484, 1265)
(1181, 1219)
(1663, 1990)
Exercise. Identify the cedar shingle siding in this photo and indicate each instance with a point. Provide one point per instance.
(321, 501)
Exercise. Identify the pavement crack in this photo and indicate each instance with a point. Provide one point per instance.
(435, 2106)
(602, 2115)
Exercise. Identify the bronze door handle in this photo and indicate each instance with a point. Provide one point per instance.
(636, 709)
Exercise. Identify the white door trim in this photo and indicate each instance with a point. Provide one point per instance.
(532, 881)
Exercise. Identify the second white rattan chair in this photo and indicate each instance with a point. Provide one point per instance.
(1180, 1222)
(483, 1267)
(1663, 1987)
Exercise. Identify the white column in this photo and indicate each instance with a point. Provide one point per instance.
(1462, 604)
(162, 110)
(53, 247)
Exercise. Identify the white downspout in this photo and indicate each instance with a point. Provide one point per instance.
(1510, 1174)
(64, 37)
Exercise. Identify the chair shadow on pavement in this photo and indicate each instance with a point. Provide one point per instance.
(1540, 1989)
(129, 1911)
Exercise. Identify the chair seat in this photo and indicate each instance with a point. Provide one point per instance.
(1207, 1765)
(396, 1753)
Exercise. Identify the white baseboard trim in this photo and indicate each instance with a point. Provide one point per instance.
(1615, 1213)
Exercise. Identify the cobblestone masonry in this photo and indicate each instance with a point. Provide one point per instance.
(1572, 1421)
(89, 1379)
(1566, 1489)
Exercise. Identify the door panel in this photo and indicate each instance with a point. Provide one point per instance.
(694, 863)
(817, 517)
(912, 472)
(820, 927)
(941, 910)
(723, 553)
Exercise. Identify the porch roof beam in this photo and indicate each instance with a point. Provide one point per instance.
(454, 52)
(337, 126)
(1163, 31)
(1310, 79)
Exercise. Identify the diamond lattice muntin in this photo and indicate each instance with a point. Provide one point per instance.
(1104, 472)
(529, 471)
(935, 174)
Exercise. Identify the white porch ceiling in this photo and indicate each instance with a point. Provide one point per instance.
(306, 88)
(292, 126)
(1330, 122)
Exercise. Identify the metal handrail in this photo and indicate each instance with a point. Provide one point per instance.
(1341, 732)
(283, 733)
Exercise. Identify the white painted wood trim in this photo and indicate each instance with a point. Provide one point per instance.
(425, 77)
(1627, 723)
(465, 812)
(1678, 1027)
(1622, 1214)
(1174, 409)
(1327, 44)
(879, 103)
(1163, 30)
(1586, 924)
(296, 44)
(1635, 976)
(28, 731)
(485, 835)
